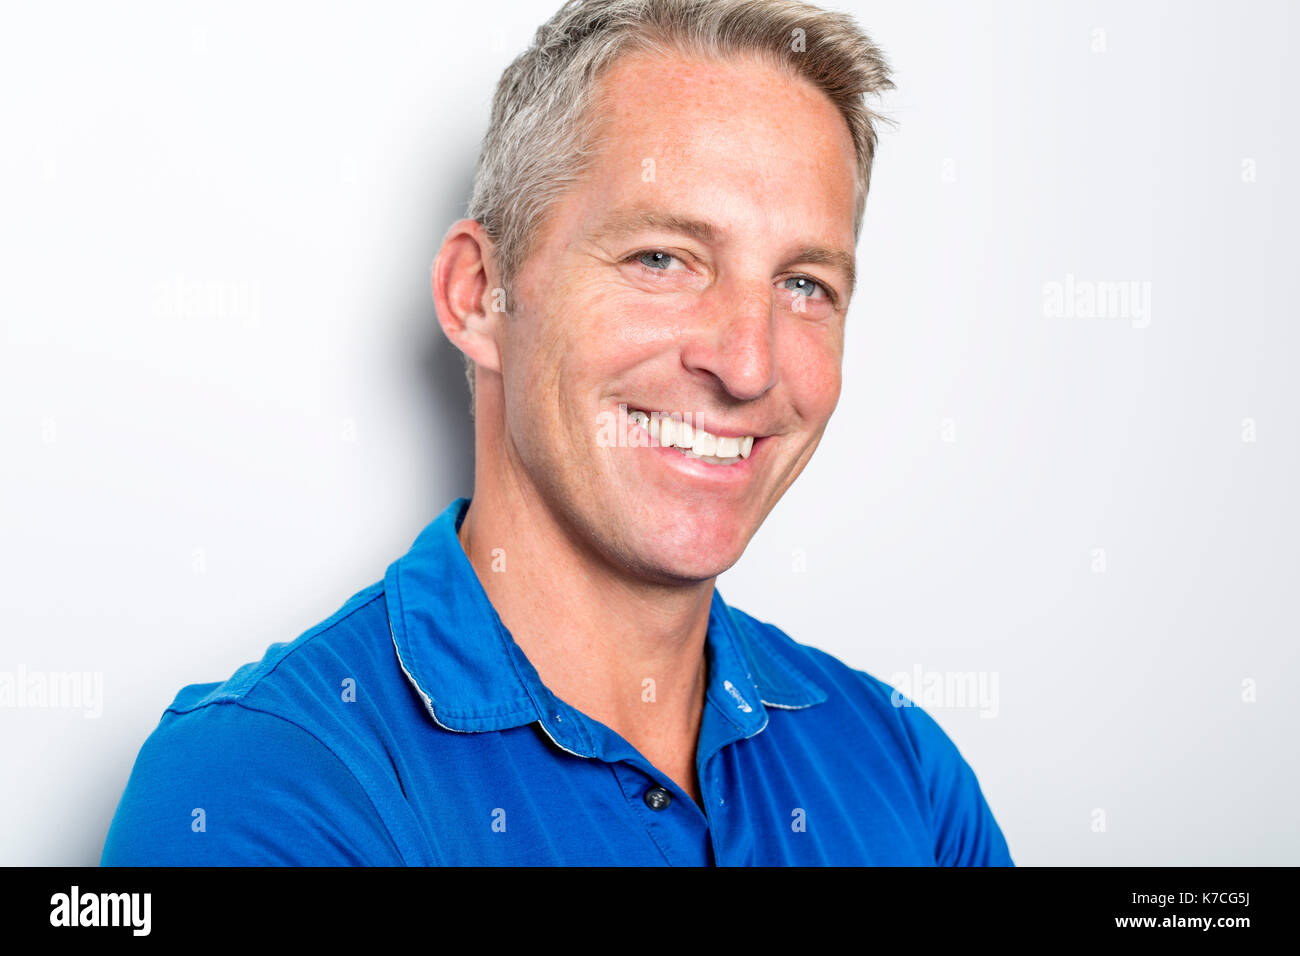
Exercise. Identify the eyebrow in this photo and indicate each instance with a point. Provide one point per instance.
(625, 222)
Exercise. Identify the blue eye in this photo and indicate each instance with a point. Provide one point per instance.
(805, 286)
(656, 259)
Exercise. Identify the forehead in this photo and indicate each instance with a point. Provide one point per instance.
(682, 125)
(644, 86)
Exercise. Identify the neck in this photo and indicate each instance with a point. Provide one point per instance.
(628, 653)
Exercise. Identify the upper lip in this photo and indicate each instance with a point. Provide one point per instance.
(707, 424)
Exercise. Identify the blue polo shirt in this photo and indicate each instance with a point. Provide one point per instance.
(410, 729)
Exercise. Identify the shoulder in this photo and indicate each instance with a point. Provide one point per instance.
(263, 768)
(965, 830)
(290, 674)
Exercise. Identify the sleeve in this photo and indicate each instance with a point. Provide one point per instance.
(966, 834)
(227, 785)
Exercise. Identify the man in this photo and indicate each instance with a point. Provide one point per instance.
(651, 292)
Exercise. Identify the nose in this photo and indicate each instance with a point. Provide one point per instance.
(734, 338)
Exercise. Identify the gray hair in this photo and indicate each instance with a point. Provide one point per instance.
(540, 140)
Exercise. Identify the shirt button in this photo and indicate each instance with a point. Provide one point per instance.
(657, 798)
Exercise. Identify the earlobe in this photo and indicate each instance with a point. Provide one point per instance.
(463, 295)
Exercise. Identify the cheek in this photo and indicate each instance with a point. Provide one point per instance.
(599, 341)
(814, 360)
(561, 357)
(630, 323)
(537, 342)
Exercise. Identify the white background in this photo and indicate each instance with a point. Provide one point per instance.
(225, 403)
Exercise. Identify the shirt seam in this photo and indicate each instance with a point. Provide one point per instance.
(239, 696)
(346, 766)
(307, 640)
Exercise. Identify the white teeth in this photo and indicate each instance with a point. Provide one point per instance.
(705, 443)
(692, 442)
(710, 459)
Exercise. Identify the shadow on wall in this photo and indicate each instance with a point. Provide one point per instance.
(446, 414)
(444, 417)
(434, 397)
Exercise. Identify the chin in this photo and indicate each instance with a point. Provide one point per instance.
(697, 560)
(683, 574)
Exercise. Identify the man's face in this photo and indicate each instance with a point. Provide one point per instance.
(671, 281)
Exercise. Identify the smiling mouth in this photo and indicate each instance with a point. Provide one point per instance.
(670, 431)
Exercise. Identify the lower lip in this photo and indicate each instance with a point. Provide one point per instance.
(739, 473)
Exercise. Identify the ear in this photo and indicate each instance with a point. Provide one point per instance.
(463, 277)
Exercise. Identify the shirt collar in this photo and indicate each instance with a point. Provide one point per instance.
(472, 675)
